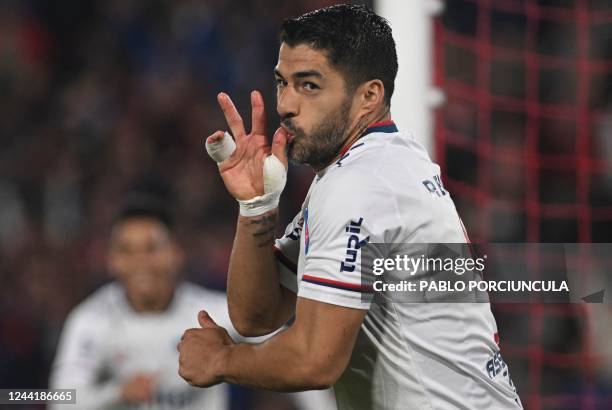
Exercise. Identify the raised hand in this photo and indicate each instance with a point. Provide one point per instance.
(242, 172)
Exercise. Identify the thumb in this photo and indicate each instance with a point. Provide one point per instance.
(205, 320)
(279, 146)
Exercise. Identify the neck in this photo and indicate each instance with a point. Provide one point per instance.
(143, 305)
(355, 133)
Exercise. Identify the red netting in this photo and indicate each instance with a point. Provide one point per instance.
(525, 143)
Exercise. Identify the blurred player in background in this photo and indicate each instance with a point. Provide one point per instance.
(335, 77)
(118, 347)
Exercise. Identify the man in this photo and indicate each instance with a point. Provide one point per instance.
(335, 74)
(118, 347)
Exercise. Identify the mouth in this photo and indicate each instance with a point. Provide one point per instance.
(290, 134)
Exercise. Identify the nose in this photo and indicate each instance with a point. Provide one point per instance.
(287, 103)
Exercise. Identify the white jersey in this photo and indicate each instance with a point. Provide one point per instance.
(385, 190)
(105, 342)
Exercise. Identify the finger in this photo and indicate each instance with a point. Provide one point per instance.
(189, 332)
(205, 320)
(181, 373)
(279, 146)
(220, 146)
(258, 113)
(215, 137)
(234, 120)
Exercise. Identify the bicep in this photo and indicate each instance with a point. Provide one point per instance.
(328, 333)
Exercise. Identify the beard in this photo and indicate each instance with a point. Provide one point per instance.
(323, 144)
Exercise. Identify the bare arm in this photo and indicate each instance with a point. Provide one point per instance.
(258, 304)
(311, 354)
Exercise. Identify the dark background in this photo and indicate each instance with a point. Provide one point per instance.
(98, 98)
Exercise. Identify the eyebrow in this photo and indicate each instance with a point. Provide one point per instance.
(301, 74)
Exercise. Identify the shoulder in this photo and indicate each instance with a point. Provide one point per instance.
(383, 164)
(360, 176)
(101, 300)
(371, 156)
(97, 308)
(380, 181)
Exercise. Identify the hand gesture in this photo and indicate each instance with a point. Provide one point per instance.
(242, 172)
(202, 352)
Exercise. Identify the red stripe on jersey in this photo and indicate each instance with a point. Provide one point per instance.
(284, 259)
(381, 124)
(337, 284)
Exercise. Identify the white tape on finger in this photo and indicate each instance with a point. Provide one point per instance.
(275, 178)
(275, 175)
(221, 150)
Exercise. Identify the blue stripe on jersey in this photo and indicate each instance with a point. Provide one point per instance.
(381, 128)
(330, 283)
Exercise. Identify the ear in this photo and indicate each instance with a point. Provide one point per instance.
(372, 96)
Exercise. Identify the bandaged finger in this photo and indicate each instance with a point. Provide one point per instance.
(275, 178)
(221, 149)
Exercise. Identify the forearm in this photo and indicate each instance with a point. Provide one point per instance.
(283, 363)
(311, 354)
(256, 300)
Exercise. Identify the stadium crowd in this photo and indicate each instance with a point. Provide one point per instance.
(103, 97)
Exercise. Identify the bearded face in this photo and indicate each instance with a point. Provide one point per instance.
(315, 104)
(319, 147)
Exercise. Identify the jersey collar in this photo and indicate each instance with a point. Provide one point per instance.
(382, 126)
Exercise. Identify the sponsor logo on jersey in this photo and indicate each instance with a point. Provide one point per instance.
(297, 230)
(496, 365)
(434, 186)
(353, 245)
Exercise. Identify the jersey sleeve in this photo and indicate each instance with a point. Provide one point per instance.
(287, 250)
(345, 222)
(78, 363)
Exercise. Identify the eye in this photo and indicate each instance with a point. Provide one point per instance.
(280, 83)
(310, 86)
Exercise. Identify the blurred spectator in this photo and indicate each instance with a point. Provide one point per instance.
(118, 348)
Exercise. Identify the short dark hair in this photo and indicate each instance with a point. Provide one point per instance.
(139, 205)
(358, 41)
